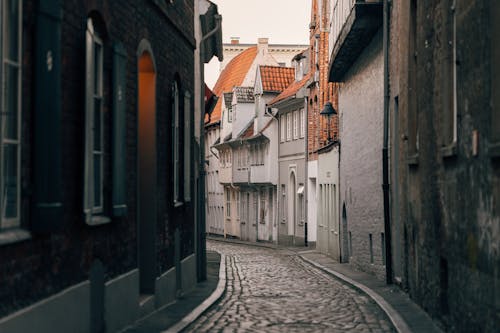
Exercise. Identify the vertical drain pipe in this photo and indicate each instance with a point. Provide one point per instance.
(385, 150)
(202, 246)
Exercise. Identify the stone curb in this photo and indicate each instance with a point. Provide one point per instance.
(214, 297)
(240, 242)
(397, 321)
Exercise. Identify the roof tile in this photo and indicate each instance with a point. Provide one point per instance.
(291, 90)
(275, 78)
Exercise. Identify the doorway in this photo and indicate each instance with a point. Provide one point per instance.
(146, 198)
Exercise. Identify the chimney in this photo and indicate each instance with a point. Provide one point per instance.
(235, 40)
(262, 45)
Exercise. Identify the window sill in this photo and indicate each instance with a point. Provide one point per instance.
(494, 150)
(15, 235)
(98, 220)
(449, 151)
(412, 160)
(283, 222)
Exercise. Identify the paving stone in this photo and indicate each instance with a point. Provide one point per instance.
(275, 291)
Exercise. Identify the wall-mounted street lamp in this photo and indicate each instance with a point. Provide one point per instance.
(328, 111)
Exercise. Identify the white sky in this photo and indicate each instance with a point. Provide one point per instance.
(282, 21)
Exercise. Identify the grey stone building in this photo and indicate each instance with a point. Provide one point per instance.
(357, 62)
(445, 115)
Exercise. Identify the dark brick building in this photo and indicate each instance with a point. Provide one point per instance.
(98, 161)
(444, 106)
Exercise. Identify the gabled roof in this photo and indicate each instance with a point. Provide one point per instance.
(275, 78)
(232, 76)
(291, 90)
(244, 94)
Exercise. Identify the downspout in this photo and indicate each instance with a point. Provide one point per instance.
(202, 246)
(306, 181)
(385, 150)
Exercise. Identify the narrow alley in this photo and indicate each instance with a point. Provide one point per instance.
(273, 290)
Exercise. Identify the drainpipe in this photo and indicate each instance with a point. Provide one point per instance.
(202, 246)
(385, 150)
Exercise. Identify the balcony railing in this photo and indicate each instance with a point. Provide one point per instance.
(341, 11)
(354, 23)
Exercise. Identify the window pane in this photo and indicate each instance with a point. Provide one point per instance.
(97, 124)
(11, 41)
(10, 181)
(11, 102)
(97, 180)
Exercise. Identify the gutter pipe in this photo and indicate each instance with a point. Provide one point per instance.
(202, 246)
(385, 150)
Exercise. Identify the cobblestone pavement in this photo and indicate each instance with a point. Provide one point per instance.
(272, 290)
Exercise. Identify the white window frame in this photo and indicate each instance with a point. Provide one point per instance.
(93, 151)
(302, 123)
(230, 114)
(282, 128)
(288, 126)
(295, 125)
(6, 62)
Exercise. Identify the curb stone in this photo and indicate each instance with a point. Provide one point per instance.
(397, 321)
(200, 309)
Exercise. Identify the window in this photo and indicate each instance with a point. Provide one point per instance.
(301, 207)
(302, 123)
(238, 204)
(228, 202)
(494, 148)
(282, 128)
(230, 114)
(283, 200)
(94, 125)
(11, 54)
(176, 141)
(295, 125)
(262, 208)
(187, 146)
(288, 126)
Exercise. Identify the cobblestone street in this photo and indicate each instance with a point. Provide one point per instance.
(272, 290)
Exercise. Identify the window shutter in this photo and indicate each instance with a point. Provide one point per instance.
(47, 203)
(88, 185)
(119, 153)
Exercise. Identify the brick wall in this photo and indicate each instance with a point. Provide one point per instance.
(322, 91)
(45, 264)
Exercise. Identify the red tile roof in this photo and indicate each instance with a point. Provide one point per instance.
(275, 78)
(233, 75)
(291, 90)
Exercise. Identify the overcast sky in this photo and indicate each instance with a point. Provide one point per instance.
(282, 21)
